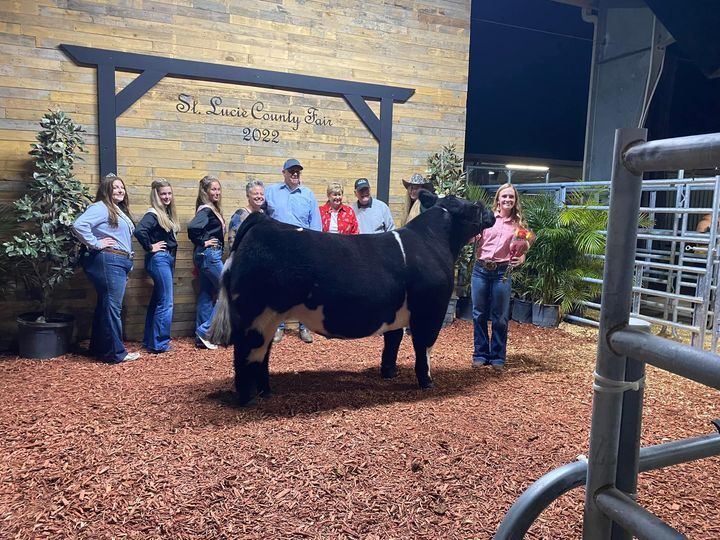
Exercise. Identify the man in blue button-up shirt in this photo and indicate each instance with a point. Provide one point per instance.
(293, 204)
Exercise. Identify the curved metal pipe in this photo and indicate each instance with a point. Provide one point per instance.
(552, 485)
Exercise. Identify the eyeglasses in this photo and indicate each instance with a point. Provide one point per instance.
(294, 173)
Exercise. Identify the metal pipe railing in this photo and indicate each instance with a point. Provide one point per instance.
(688, 153)
(615, 430)
(649, 209)
(557, 482)
(695, 364)
(634, 518)
(614, 454)
(625, 193)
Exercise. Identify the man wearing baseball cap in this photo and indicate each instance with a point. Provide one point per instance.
(295, 204)
(373, 215)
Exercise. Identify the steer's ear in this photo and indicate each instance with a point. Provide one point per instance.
(427, 198)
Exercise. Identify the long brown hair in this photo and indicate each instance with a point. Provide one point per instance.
(203, 198)
(516, 212)
(166, 215)
(104, 195)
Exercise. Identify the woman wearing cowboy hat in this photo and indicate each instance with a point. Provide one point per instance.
(413, 208)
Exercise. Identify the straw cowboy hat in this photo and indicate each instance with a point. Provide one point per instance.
(417, 179)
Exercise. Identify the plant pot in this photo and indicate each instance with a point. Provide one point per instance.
(522, 310)
(546, 315)
(44, 339)
(464, 309)
(450, 313)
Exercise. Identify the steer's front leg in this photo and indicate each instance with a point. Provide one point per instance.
(252, 356)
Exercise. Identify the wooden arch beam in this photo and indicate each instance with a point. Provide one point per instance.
(153, 69)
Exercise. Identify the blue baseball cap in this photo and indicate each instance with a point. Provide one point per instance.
(292, 162)
(361, 183)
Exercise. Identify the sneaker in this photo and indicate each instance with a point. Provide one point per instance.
(498, 367)
(480, 362)
(279, 334)
(206, 343)
(305, 335)
(129, 357)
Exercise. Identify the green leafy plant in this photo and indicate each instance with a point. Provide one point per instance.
(562, 255)
(444, 169)
(44, 252)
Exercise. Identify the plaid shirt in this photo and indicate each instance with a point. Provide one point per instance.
(347, 221)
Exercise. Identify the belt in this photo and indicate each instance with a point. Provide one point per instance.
(118, 252)
(170, 252)
(492, 265)
(214, 247)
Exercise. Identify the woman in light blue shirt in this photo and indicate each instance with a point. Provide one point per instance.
(106, 229)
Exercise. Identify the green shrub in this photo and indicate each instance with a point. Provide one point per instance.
(44, 252)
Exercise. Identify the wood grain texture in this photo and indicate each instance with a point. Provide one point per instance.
(422, 45)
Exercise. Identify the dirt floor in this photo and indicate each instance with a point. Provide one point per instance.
(152, 449)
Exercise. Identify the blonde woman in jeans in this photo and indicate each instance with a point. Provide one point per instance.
(156, 233)
(490, 287)
(207, 232)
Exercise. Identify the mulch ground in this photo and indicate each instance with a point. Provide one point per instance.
(152, 449)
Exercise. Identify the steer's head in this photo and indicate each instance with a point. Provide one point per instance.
(467, 218)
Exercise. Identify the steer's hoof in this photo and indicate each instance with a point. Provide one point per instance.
(388, 372)
(245, 401)
(426, 385)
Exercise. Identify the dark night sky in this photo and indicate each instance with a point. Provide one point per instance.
(529, 79)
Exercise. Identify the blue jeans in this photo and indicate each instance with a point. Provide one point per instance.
(301, 326)
(209, 264)
(491, 302)
(159, 316)
(109, 274)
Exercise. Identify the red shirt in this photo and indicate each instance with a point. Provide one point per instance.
(346, 219)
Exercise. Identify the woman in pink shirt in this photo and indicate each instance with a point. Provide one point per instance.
(490, 291)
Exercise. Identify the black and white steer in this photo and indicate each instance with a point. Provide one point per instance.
(342, 286)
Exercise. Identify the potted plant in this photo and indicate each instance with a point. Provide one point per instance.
(562, 255)
(44, 253)
(521, 307)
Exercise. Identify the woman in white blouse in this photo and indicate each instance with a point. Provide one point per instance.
(106, 229)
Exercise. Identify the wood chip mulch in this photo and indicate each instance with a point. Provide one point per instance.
(152, 449)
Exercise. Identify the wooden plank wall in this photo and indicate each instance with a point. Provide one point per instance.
(421, 45)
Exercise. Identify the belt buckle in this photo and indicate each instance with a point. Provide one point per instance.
(491, 265)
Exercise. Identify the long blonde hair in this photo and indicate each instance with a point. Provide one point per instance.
(202, 196)
(516, 212)
(166, 215)
(104, 195)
